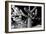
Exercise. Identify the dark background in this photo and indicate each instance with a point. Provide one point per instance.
(35, 21)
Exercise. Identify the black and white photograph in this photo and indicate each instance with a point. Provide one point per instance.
(25, 16)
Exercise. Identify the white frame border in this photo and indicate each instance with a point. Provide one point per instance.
(25, 29)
